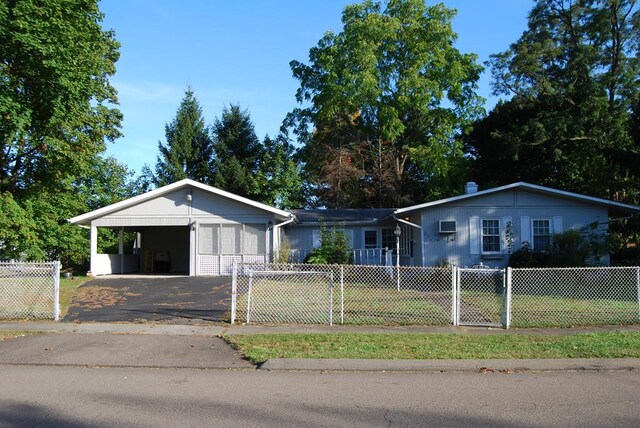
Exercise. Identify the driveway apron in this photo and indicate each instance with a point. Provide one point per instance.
(176, 299)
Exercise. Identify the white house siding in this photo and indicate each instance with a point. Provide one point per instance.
(518, 206)
(157, 219)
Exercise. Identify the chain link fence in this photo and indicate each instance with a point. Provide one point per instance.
(389, 295)
(350, 294)
(29, 290)
(566, 297)
(480, 296)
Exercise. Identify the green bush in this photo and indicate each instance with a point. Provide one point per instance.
(334, 248)
(568, 249)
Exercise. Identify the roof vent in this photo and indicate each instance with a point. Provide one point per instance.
(470, 187)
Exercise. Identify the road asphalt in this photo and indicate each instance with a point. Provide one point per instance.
(200, 347)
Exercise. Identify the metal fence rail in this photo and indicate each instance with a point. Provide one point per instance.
(29, 290)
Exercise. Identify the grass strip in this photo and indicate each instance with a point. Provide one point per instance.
(260, 347)
(68, 290)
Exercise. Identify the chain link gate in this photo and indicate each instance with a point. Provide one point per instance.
(480, 297)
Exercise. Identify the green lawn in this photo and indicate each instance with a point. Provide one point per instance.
(261, 347)
(530, 311)
(68, 289)
(278, 302)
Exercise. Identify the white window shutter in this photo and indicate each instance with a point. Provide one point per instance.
(525, 230)
(505, 241)
(315, 243)
(557, 224)
(474, 235)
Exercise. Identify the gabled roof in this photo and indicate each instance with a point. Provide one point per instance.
(616, 206)
(342, 215)
(86, 218)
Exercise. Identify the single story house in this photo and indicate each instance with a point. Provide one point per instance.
(188, 227)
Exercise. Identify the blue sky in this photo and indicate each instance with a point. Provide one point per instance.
(238, 51)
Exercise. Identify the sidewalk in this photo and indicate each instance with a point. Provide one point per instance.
(198, 347)
(228, 329)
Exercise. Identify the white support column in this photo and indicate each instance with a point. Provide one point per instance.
(121, 249)
(193, 250)
(93, 264)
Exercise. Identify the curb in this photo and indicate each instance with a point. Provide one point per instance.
(484, 366)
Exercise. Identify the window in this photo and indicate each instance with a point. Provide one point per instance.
(490, 236)
(389, 239)
(370, 239)
(541, 235)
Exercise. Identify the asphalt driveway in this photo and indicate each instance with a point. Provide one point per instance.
(171, 299)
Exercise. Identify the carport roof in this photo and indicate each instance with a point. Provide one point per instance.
(92, 215)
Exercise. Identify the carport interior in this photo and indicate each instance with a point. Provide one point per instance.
(149, 249)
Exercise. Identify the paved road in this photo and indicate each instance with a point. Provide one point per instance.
(32, 396)
(175, 299)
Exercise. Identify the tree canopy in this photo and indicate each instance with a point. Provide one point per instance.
(56, 101)
(57, 112)
(573, 79)
(383, 102)
(188, 152)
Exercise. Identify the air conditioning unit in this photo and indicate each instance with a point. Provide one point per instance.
(447, 226)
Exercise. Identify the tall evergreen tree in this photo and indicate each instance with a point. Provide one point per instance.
(188, 152)
(237, 152)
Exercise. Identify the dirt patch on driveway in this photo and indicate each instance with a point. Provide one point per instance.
(179, 300)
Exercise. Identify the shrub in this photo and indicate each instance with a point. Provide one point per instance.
(568, 249)
(334, 248)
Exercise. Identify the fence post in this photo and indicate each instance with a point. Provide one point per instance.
(331, 297)
(341, 294)
(56, 290)
(249, 296)
(234, 290)
(638, 286)
(506, 314)
(454, 298)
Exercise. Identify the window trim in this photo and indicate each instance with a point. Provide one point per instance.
(498, 235)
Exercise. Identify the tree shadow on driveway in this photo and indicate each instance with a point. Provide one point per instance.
(170, 299)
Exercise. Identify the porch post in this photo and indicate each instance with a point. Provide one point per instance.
(93, 263)
(193, 251)
(121, 249)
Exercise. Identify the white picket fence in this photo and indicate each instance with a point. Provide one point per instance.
(29, 290)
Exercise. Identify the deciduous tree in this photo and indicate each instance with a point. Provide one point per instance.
(391, 93)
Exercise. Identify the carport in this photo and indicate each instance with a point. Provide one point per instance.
(185, 227)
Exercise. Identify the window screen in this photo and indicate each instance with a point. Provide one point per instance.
(230, 239)
(208, 237)
(254, 239)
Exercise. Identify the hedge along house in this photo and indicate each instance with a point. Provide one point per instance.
(484, 227)
(185, 228)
